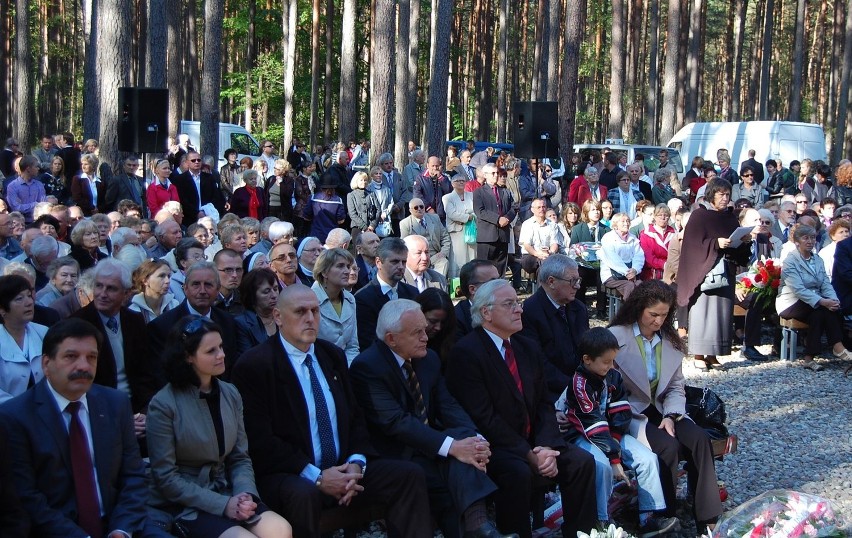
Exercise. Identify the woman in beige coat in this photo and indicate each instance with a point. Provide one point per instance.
(201, 470)
(459, 207)
(650, 363)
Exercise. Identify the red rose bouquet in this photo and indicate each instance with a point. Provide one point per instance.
(761, 280)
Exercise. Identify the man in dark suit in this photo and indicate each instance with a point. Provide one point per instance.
(472, 275)
(553, 318)
(70, 156)
(841, 275)
(68, 487)
(388, 284)
(411, 416)
(196, 189)
(401, 187)
(755, 165)
(635, 171)
(294, 386)
(366, 246)
(201, 289)
(14, 521)
(127, 185)
(494, 209)
(464, 168)
(124, 361)
(498, 377)
(432, 186)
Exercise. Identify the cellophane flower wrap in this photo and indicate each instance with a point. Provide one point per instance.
(761, 280)
(782, 514)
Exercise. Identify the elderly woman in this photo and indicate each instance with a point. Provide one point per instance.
(356, 204)
(63, 274)
(663, 191)
(459, 207)
(20, 338)
(644, 329)
(259, 294)
(85, 240)
(187, 253)
(337, 306)
(806, 295)
(655, 241)
(151, 283)
(621, 257)
(196, 422)
(705, 277)
(380, 203)
(249, 200)
(279, 189)
(87, 189)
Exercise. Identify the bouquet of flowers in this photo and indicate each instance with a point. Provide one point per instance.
(586, 254)
(781, 514)
(761, 280)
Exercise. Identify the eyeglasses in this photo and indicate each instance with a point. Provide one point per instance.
(571, 281)
(232, 270)
(283, 258)
(509, 305)
(747, 175)
(316, 250)
(195, 160)
(419, 207)
(766, 222)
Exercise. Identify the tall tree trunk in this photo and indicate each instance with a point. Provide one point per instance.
(575, 23)
(843, 96)
(670, 81)
(192, 60)
(653, 77)
(412, 117)
(553, 26)
(211, 82)
(382, 112)
(616, 77)
(683, 48)
(315, 73)
(815, 63)
(402, 105)
(158, 29)
(174, 71)
(91, 77)
(23, 101)
(251, 57)
(113, 65)
(763, 98)
(436, 109)
(502, 66)
(693, 60)
(348, 113)
(5, 79)
(329, 58)
(737, 90)
(486, 101)
(289, 67)
(540, 51)
(796, 87)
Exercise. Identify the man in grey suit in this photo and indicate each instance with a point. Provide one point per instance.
(126, 185)
(417, 272)
(401, 186)
(75, 460)
(416, 167)
(464, 168)
(430, 227)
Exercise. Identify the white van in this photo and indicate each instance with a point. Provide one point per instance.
(784, 140)
(230, 136)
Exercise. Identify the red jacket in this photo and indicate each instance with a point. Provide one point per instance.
(655, 245)
(157, 195)
(584, 193)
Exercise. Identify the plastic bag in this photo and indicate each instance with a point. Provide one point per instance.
(470, 232)
(781, 513)
(384, 229)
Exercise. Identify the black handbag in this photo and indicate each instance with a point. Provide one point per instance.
(707, 409)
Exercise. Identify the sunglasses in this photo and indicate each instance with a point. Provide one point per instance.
(195, 160)
(801, 201)
(419, 207)
(197, 325)
(747, 175)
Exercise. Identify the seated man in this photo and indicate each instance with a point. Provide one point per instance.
(417, 272)
(498, 378)
(366, 245)
(315, 445)
(429, 226)
(167, 233)
(538, 237)
(411, 416)
(68, 487)
(472, 275)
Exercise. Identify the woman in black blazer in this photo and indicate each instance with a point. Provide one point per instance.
(258, 293)
(590, 230)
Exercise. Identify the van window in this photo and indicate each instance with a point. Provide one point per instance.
(244, 144)
(652, 158)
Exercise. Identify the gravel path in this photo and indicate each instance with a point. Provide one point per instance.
(793, 426)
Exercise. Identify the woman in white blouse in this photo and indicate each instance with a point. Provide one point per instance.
(459, 207)
(20, 339)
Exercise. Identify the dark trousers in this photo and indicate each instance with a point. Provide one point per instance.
(592, 278)
(496, 252)
(819, 320)
(514, 478)
(693, 443)
(399, 485)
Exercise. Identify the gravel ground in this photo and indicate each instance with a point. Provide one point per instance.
(793, 426)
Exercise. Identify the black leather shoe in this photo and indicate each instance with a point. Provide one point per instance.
(753, 354)
(487, 530)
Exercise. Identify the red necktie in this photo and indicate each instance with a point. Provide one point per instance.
(512, 364)
(499, 202)
(85, 489)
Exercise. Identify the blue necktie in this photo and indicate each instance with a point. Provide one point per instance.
(328, 451)
(112, 325)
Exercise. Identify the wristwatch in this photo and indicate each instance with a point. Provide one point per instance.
(318, 483)
(676, 417)
(362, 464)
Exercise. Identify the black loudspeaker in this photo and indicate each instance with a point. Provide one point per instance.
(143, 119)
(536, 129)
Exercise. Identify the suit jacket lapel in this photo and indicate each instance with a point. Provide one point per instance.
(499, 366)
(51, 416)
(292, 388)
(101, 425)
(396, 372)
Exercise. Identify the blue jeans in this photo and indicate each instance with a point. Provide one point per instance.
(641, 460)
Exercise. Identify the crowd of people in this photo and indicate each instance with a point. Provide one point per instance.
(263, 333)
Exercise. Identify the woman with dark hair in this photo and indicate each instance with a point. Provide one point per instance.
(806, 294)
(569, 218)
(249, 200)
(302, 190)
(20, 338)
(650, 361)
(200, 467)
(440, 314)
(85, 240)
(705, 276)
(331, 272)
(227, 173)
(259, 294)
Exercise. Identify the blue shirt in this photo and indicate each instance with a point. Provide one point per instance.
(23, 196)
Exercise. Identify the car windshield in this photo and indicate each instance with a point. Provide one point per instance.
(652, 158)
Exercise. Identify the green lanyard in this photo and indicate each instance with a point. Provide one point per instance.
(659, 358)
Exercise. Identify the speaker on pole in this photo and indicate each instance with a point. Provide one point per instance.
(143, 119)
(535, 129)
